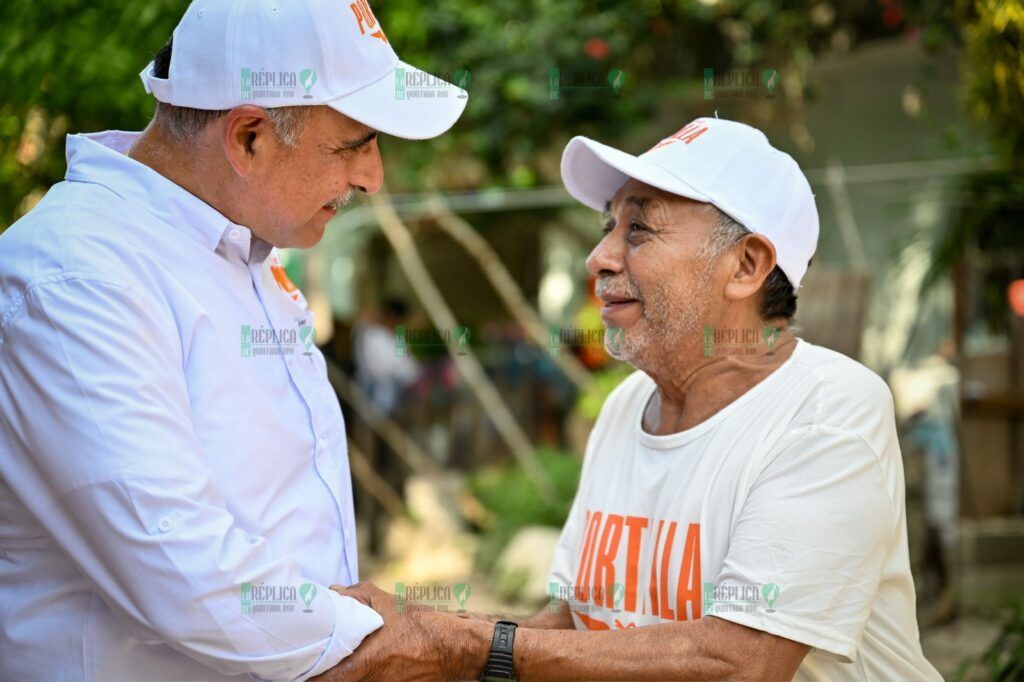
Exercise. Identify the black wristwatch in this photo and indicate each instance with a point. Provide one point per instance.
(499, 662)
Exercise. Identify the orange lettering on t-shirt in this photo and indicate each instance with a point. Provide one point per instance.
(688, 591)
(587, 557)
(592, 623)
(654, 570)
(604, 566)
(666, 556)
(636, 526)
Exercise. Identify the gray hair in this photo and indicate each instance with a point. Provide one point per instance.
(184, 125)
(724, 233)
(778, 298)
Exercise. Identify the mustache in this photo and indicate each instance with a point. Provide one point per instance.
(617, 286)
(341, 200)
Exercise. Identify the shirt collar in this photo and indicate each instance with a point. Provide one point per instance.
(102, 159)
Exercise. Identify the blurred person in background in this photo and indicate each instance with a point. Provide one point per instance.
(175, 494)
(740, 513)
(383, 367)
(932, 429)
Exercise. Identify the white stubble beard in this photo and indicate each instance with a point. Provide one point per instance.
(669, 316)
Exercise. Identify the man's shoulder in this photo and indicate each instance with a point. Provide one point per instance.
(834, 369)
(839, 391)
(76, 230)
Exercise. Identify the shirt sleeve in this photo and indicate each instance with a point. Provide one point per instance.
(811, 539)
(565, 564)
(562, 575)
(98, 442)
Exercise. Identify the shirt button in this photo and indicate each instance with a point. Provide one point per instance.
(321, 444)
(164, 525)
(233, 234)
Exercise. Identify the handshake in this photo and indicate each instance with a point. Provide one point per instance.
(418, 643)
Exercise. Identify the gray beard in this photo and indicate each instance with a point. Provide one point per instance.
(670, 316)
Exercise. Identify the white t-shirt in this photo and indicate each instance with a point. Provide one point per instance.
(784, 512)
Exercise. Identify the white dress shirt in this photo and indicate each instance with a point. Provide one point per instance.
(170, 497)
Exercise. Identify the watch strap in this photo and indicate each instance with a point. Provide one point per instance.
(499, 661)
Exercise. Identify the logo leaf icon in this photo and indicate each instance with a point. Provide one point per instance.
(615, 78)
(308, 79)
(618, 592)
(770, 591)
(462, 592)
(307, 334)
(462, 335)
(307, 591)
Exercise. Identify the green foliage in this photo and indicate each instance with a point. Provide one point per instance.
(69, 65)
(989, 220)
(592, 399)
(514, 500)
(1004, 660)
(72, 65)
(993, 69)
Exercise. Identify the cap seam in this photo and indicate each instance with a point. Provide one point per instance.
(233, 40)
(371, 83)
(321, 43)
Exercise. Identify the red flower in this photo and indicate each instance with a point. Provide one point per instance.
(596, 48)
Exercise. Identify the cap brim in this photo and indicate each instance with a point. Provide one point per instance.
(593, 172)
(414, 113)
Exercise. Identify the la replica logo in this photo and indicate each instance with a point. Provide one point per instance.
(671, 553)
(366, 21)
(687, 134)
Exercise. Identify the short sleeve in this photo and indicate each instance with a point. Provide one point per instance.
(562, 574)
(812, 536)
(563, 567)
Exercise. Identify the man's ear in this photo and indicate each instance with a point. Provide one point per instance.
(750, 263)
(247, 133)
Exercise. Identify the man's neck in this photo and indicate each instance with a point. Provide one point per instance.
(700, 380)
(153, 149)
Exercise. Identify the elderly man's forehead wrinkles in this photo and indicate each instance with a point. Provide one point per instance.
(630, 200)
(649, 208)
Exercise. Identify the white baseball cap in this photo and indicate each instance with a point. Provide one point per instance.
(725, 163)
(275, 53)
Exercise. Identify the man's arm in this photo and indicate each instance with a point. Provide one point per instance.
(708, 648)
(551, 617)
(434, 646)
(97, 441)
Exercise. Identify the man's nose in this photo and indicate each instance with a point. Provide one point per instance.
(368, 174)
(606, 258)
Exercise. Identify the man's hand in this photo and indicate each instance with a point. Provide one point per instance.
(414, 644)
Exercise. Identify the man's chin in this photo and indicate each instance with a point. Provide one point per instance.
(615, 343)
(310, 234)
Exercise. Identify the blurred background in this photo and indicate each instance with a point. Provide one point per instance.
(457, 317)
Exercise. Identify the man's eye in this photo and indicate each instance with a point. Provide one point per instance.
(634, 226)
